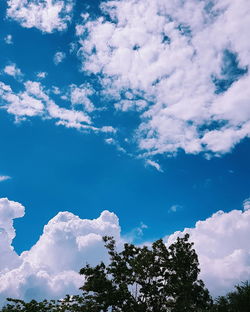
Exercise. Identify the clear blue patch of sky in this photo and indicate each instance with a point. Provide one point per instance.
(55, 169)
(230, 72)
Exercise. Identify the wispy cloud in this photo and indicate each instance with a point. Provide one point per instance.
(246, 204)
(136, 233)
(35, 101)
(8, 39)
(112, 141)
(41, 75)
(153, 164)
(59, 57)
(175, 208)
(4, 178)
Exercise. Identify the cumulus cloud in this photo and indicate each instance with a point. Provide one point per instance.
(9, 210)
(186, 61)
(50, 268)
(59, 57)
(46, 16)
(222, 243)
(13, 70)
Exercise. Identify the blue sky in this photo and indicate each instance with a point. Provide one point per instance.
(55, 169)
(154, 130)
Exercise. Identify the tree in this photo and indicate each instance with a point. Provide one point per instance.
(68, 304)
(32, 306)
(139, 279)
(235, 301)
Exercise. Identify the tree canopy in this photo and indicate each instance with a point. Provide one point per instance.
(136, 279)
(156, 279)
(235, 301)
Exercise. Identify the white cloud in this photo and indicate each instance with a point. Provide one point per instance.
(72, 47)
(9, 210)
(50, 268)
(222, 243)
(8, 39)
(126, 105)
(180, 66)
(136, 233)
(174, 208)
(41, 75)
(81, 238)
(80, 95)
(246, 204)
(69, 118)
(139, 231)
(34, 101)
(46, 16)
(186, 61)
(4, 178)
(114, 142)
(59, 57)
(154, 164)
(108, 129)
(13, 70)
(56, 90)
(21, 104)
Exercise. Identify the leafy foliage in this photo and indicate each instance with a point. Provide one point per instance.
(32, 306)
(137, 279)
(235, 301)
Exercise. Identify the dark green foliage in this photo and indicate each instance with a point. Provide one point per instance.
(236, 301)
(68, 304)
(141, 279)
(137, 279)
(32, 306)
